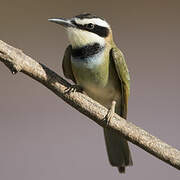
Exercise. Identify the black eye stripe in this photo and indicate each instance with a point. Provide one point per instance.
(90, 26)
(99, 30)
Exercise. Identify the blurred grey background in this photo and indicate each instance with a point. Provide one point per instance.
(43, 138)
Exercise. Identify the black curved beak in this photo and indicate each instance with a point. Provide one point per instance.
(62, 21)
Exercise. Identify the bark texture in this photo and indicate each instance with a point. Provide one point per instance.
(17, 61)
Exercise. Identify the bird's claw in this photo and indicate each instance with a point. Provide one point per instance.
(74, 88)
(110, 113)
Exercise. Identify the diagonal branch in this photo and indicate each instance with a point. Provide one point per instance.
(17, 61)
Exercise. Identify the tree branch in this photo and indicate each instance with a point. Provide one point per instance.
(17, 61)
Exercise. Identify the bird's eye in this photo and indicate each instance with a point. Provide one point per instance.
(90, 26)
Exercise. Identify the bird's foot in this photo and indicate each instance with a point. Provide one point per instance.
(74, 88)
(110, 113)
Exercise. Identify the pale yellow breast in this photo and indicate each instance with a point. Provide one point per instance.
(98, 78)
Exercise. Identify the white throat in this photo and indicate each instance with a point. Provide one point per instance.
(80, 38)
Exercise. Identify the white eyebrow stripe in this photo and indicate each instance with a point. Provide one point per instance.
(97, 21)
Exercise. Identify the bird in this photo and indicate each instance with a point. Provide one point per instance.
(94, 62)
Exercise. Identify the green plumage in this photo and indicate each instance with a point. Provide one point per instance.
(110, 78)
(117, 147)
(93, 61)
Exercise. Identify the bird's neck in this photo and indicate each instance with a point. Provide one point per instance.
(87, 51)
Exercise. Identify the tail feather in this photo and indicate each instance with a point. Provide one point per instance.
(117, 149)
(121, 169)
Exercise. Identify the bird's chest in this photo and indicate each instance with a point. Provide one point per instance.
(91, 71)
(94, 75)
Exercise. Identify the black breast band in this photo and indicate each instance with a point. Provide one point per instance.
(86, 51)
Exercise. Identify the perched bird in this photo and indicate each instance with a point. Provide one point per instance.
(93, 62)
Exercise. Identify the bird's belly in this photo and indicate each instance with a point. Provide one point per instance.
(94, 79)
(103, 95)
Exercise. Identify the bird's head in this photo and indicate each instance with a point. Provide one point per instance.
(85, 29)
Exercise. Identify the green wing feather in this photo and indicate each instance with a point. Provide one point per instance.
(124, 78)
(66, 64)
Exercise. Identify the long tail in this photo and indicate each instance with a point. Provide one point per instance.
(117, 149)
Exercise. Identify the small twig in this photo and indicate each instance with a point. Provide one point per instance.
(17, 61)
